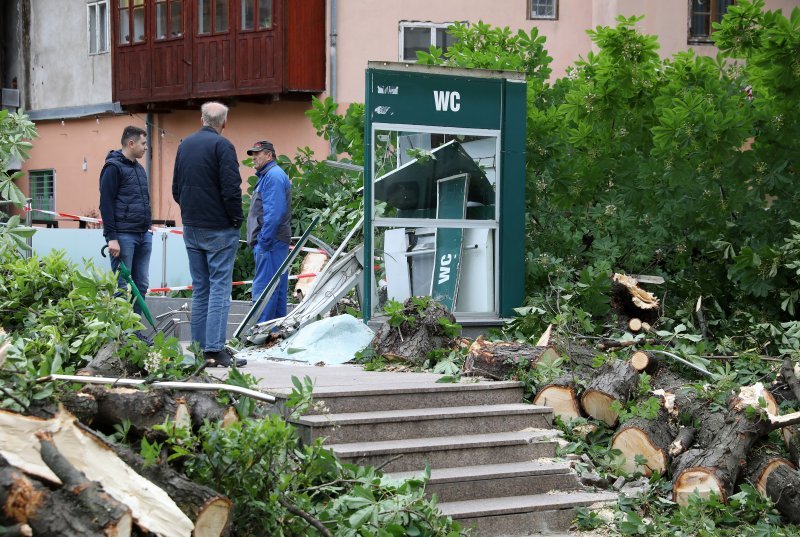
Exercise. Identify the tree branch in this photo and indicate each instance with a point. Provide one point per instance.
(305, 516)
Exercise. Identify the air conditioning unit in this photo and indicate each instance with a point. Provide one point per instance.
(10, 98)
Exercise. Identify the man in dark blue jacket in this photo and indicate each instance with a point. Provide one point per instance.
(125, 209)
(207, 186)
(269, 228)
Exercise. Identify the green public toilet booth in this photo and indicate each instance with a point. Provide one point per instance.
(444, 188)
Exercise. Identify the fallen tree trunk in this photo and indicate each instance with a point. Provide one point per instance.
(143, 409)
(615, 381)
(641, 439)
(95, 504)
(725, 441)
(26, 501)
(497, 359)
(152, 509)
(777, 479)
(209, 510)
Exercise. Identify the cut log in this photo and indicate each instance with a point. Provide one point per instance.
(81, 405)
(777, 479)
(143, 409)
(112, 517)
(634, 324)
(152, 508)
(647, 440)
(725, 440)
(683, 441)
(615, 381)
(498, 359)
(645, 361)
(561, 398)
(209, 510)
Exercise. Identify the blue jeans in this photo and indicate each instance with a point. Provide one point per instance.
(211, 254)
(134, 251)
(267, 264)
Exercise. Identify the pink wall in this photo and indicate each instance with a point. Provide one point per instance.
(63, 148)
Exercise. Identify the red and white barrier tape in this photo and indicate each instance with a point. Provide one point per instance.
(172, 230)
(246, 282)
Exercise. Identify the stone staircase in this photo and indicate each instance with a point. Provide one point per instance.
(493, 459)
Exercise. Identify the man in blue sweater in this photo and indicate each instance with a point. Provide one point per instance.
(125, 209)
(269, 228)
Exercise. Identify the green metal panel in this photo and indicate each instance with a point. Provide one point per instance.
(366, 303)
(512, 198)
(452, 194)
(415, 98)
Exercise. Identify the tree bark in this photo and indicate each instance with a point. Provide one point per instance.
(209, 510)
(648, 439)
(415, 337)
(498, 359)
(561, 397)
(615, 381)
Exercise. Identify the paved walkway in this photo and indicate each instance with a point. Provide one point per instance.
(277, 376)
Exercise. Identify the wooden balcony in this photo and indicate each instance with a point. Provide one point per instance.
(179, 50)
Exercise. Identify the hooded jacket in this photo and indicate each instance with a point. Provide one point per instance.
(124, 196)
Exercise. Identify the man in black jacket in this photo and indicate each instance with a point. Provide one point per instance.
(207, 186)
(125, 209)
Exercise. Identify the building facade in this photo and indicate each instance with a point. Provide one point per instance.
(84, 69)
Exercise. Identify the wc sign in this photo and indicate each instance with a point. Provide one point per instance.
(445, 101)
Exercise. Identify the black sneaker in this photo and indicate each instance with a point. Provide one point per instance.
(223, 358)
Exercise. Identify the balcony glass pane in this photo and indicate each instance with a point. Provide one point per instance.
(161, 20)
(138, 24)
(221, 16)
(248, 7)
(124, 27)
(176, 18)
(203, 16)
(264, 14)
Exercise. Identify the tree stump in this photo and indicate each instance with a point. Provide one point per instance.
(416, 336)
(497, 359)
(615, 381)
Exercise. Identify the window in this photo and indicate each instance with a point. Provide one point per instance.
(131, 21)
(97, 14)
(209, 11)
(419, 36)
(252, 7)
(42, 188)
(542, 9)
(169, 19)
(702, 14)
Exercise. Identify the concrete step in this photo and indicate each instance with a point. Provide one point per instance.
(497, 480)
(512, 516)
(422, 422)
(425, 395)
(450, 451)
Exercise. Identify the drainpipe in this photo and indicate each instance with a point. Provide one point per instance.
(333, 36)
(148, 157)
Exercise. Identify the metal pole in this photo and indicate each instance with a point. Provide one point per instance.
(29, 223)
(164, 260)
